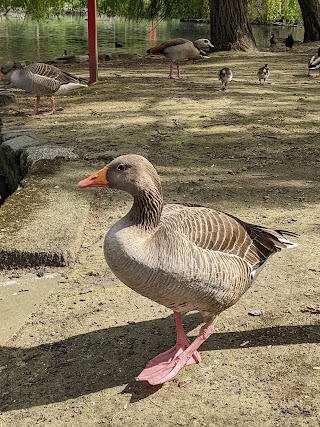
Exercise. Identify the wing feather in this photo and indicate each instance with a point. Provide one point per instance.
(219, 232)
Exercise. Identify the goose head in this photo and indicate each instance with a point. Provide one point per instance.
(203, 44)
(8, 67)
(131, 173)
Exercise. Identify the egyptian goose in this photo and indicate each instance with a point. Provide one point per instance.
(225, 75)
(289, 42)
(263, 73)
(314, 63)
(40, 79)
(178, 50)
(185, 258)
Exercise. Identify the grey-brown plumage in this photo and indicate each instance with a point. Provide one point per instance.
(225, 75)
(185, 258)
(41, 79)
(263, 74)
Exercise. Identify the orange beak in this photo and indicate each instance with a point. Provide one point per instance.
(98, 179)
(2, 76)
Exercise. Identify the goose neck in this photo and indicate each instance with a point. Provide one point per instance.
(146, 209)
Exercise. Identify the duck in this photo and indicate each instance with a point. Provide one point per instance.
(263, 74)
(117, 44)
(273, 40)
(289, 42)
(187, 258)
(179, 49)
(42, 80)
(314, 63)
(225, 75)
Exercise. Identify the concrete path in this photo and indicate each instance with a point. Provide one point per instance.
(19, 298)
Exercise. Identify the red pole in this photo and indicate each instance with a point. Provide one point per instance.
(92, 41)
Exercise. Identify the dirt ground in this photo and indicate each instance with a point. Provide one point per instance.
(253, 151)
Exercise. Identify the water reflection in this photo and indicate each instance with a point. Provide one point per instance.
(23, 39)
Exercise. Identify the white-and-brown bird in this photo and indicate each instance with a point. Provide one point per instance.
(41, 80)
(185, 258)
(225, 75)
(263, 74)
(314, 63)
(178, 50)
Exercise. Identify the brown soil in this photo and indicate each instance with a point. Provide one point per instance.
(253, 151)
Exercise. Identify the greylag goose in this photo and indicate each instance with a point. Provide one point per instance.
(178, 50)
(185, 258)
(40, 79)
(225, 75)
(289, 42)
(314, 63)
(263, 73)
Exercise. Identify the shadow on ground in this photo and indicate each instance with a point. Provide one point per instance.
(112, 357)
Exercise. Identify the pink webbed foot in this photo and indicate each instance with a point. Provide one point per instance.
(162, 372)
(172, 354)
(166, 365)
(48, 113)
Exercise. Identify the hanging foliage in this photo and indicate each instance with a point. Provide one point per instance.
(261, 10)
(291, 11)
(37, 9)
(272, 10)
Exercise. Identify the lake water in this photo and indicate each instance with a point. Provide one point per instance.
(24, 39)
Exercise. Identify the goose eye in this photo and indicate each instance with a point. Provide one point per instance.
(121, 167)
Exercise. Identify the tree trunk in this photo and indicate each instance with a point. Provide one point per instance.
(230, 26)
(310, 10)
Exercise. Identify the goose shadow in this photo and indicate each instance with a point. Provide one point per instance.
(107, 358)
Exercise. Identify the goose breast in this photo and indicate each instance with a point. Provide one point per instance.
(39, 85)
(191, 262)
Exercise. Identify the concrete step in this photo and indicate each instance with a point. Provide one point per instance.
(42, 223)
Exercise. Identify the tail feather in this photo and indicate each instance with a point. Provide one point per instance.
(70, 86)
(76, 79)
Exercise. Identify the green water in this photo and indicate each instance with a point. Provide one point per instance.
(24, 39)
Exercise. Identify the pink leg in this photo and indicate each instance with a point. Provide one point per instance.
(53, 107)
(178, 70)
(165, 366)
(171, 68)
(36, 107)
(182, 343)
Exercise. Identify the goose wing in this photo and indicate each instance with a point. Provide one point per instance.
(219, 232)
(54, 73)
(160, 49)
